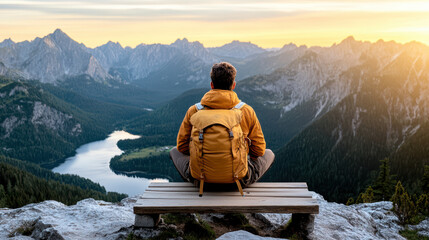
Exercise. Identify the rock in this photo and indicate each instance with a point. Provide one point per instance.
(275, 220)
(88, 219)
(147, 221)
(422, 227)
(237, 235)
(50, 117)
(93, 219)
(45, 232)
(361, 221)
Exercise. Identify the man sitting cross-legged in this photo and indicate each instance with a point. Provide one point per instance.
(220, 139)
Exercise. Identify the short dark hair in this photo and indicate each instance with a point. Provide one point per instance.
(223, 75)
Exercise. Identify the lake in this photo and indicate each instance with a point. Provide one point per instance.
(92, 161)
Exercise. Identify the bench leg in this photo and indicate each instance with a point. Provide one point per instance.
(302, 224)
(146, 221)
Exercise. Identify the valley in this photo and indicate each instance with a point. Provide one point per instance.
(330, 114)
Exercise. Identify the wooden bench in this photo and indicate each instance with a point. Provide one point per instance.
(261, 197)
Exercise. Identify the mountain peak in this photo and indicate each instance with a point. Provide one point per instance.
(113, 44)
(59, 32)
(184, 40)
(6, 43)
(349, 43)
(59, 36)
(350, 40)
(288, 47)
(237, 49)
(185, 44)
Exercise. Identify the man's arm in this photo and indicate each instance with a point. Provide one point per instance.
(185, 132)
(256, 136)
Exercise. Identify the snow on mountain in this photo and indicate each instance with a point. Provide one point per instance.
(91, 219)
(237, 49)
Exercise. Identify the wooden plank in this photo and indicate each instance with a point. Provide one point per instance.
(228, 205)
(220, 195)
(194, 189)
(255, 185)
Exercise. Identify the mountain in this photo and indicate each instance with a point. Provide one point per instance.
(237, 49)
(57, 57)
(175, 68)
(330, 114)
(38, 127)
(195, 49)
(51, 58)
(54, 220)
(268, 62)
(371, 110)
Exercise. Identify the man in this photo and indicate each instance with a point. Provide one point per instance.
(222, 96)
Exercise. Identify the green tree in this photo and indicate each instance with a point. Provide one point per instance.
(425, 180)
(384, 185)
(368, 196)
(359, 198)
(2, 196)
(350, 201)
(423, 204)
(403, 206)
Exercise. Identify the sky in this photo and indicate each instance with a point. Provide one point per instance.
(268, 23)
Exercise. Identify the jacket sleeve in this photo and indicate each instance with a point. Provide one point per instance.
(185, 132)
(257, 147)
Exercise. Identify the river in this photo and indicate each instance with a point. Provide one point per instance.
(92, 161)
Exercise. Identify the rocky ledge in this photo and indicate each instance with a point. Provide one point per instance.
(91, 219)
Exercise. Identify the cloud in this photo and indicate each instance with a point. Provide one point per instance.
(208, 10)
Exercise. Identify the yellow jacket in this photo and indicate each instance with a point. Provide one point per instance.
(225, 99)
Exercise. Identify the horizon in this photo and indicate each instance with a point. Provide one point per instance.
(214, 23)
(222, 44)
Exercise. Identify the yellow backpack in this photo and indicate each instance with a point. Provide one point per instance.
(217, 146)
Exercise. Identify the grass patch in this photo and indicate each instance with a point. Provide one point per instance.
(25, 229)
(417, 219)
(412, 235)
(176, 218)
(289, 233)
(250, 228)
(131, 236)
(143, 153)
(4, 82)
(194, 230)
(232, 219)
(167, 234)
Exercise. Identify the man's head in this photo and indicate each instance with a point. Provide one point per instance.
(223, 76)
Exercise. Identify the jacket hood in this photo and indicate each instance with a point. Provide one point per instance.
(218, 98)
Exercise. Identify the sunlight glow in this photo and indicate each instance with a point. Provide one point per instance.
(269, 24)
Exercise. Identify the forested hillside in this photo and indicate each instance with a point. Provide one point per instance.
(18, 188)
(384, 116)
(38, 127)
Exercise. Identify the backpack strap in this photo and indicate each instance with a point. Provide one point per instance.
(239, 105)
(199, 106)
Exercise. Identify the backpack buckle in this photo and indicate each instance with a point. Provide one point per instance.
(201, 136)
(231, 134)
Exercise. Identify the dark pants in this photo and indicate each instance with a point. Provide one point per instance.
(256, 168)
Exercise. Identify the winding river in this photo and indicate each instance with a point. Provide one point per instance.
(92, 161)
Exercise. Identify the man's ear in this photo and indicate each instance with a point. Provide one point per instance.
(211, 85)
(233, 85)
